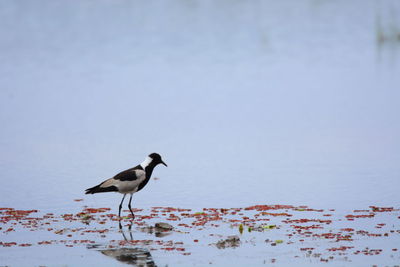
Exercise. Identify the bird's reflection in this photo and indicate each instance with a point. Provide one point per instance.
(134, 256)
(137, 256)
(121, 229)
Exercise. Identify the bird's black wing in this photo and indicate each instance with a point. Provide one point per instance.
(131, 174)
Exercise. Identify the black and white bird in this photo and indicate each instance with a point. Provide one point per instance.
(129, 181)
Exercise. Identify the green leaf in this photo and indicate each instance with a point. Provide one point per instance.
(241, 228)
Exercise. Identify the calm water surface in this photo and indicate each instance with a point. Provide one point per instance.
(249, 102)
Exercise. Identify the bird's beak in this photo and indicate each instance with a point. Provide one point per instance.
(162, 162)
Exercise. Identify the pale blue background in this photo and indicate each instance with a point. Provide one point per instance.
(249, 102)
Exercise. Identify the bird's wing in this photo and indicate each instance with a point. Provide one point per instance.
(132, 174)
(126, 180)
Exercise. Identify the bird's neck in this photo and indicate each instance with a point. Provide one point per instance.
(148, 166)
(146, 162)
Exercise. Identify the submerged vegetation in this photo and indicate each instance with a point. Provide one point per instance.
(318, 234)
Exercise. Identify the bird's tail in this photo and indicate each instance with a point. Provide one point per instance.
(99, 189)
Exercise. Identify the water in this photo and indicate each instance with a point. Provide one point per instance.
(259, 102)
(248, 102)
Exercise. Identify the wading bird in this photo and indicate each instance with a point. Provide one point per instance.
(129, 181)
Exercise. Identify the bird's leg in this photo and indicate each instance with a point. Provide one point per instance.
(120, 206)
(130, 208)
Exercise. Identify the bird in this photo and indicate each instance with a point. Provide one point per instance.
(129, 181)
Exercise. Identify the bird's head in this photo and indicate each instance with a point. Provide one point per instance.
(156, 159)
